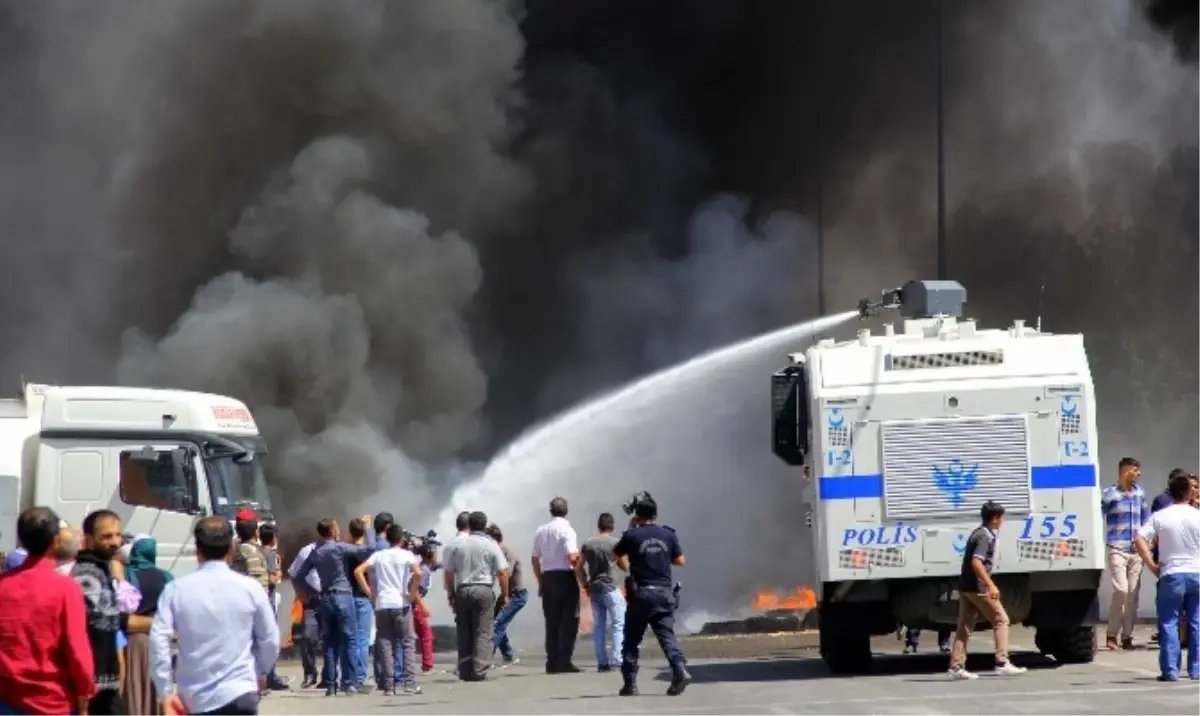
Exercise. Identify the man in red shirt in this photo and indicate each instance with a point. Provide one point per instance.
(46, 663)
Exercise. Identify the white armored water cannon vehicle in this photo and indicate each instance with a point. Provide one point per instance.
(904, 436)
(161, 459)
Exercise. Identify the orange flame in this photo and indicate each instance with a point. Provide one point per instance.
(803, 598)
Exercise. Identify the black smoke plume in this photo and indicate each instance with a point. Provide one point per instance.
(404, 231)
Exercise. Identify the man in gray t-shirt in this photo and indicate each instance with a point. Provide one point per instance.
(979, 596)
(597, 577)
(475, 564)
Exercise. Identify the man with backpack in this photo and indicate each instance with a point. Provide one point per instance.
(249, 559)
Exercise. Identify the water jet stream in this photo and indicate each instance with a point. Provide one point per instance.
(696, 435)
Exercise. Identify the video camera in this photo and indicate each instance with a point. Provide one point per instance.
(640, 498)
(423, 546)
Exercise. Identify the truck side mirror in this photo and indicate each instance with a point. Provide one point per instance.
(789, 413)
(181, 462)
(184, 490)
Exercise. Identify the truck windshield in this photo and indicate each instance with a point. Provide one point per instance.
(236, 484)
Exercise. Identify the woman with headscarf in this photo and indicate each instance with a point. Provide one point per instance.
(144, 574)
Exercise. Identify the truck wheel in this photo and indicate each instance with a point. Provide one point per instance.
(845, 647)
(1068, 646)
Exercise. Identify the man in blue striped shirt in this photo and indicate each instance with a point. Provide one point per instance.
(1125, 510)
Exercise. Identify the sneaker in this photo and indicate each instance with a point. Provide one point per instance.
(1009, 669)
(412, 690)
(1111, 643)
(910, 649)
(961, 675)
(510, 661)
(604, 668)
(1127, 644)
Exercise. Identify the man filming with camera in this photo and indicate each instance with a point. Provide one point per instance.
(652, 550)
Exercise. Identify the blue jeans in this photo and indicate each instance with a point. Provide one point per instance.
(516, 602)
(339, 632)
(364, 615)
(1176, 593)
(608, 619)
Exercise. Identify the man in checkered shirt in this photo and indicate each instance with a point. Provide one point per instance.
(1125, 509)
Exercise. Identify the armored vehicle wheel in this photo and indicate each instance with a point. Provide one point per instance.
(845, 646)
(1068, 646)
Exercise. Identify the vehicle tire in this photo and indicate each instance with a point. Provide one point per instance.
(1068, 646)
(845, 646)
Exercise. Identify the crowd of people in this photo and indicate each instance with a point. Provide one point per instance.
(378, 580)
(1166, 542)
(1161, 536)
(92, 625)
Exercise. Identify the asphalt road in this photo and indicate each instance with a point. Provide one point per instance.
(780, 674)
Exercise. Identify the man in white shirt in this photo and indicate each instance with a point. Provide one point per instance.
(227, 632)
(1177, 530)
(397, 593)
(461, 529)
(555, 554)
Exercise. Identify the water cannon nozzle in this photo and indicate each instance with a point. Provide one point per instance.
(919, 299)
(888, 300)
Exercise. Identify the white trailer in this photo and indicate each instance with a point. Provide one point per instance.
(161, 459)
(906, 434)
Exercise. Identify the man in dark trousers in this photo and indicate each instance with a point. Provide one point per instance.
(93, 572)
(475, 565)
(652, 550)
(555, 554)
(308, 591)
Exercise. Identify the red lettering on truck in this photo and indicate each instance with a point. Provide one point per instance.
(228, 413)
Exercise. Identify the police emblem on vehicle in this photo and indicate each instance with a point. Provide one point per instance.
(956, 479)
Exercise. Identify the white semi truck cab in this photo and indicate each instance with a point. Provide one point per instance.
(161, 459)
(905, 434)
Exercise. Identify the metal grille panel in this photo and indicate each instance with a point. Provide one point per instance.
(1070, 424)
(871, 558)
(839, 437)
(951, 467)
(1042, 550)
(958, 359)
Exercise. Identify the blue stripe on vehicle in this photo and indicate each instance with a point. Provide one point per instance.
(1059, 477)
(848, 487)
(1041, 477)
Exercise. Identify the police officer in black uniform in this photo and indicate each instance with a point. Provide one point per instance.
(652, 549)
